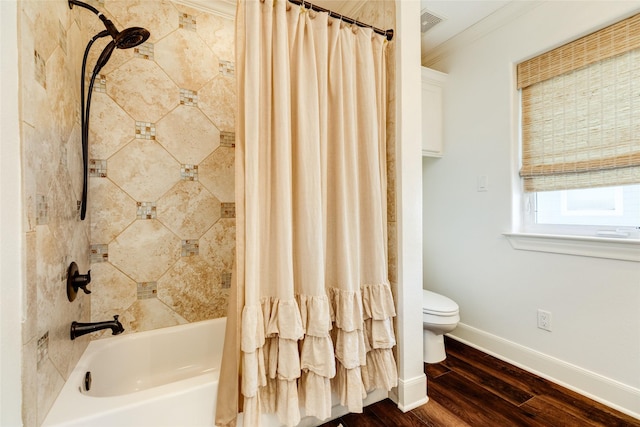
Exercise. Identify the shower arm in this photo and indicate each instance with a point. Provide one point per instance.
(107, 23)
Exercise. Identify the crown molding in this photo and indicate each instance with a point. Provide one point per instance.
(497, 19)
(224, 8)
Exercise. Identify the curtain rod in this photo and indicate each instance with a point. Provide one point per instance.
(387, 33)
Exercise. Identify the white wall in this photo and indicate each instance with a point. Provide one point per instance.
(595, 303)
(11, 259)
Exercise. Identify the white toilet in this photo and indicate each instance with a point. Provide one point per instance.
(439, 316)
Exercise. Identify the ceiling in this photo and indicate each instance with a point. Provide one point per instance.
(457, 15)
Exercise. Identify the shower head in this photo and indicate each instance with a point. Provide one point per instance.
(130, 37)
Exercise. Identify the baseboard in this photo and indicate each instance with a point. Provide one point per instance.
(410, 393)
(610, 392)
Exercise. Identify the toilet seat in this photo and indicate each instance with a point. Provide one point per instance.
(438, 305)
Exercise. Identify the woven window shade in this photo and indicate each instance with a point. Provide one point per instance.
(581, 112)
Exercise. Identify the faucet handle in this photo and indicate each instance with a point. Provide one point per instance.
(82, 280)
(76, 281)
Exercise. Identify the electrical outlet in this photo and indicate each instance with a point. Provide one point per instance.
(544, 320)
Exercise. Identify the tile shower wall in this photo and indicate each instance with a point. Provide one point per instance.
(161, 191)
(51, 43)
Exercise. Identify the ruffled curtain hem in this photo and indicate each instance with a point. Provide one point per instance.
(294, 352)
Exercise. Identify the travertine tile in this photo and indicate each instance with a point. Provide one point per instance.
(160, 17)
(143, 90)
(217, 245)
(186, 59)
(192, 289)
(217, 99)
(62, 105)
(30, 384)
(188, 209)
(145, 250)
(29, 289)
(217, 173)
(144, 170)
(112, 210)
(113, 292)
(219, 34)
(148, 314)
(187, 134)
(50, 383)
(110, 127)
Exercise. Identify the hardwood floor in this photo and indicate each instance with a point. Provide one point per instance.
(471, 388)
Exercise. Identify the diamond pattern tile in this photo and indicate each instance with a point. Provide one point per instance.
(117, 292)
(144, 170)
(112, 210)
(219, 34)
(110, 127)
(143, 90)
(218, 244)
(217, 173)
(187, 134)
(188, 209)
(217, 99)
(186, 47)
(145, 250)
(192, 289)
(159, 17)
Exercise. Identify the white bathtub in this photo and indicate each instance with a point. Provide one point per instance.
(165, 377)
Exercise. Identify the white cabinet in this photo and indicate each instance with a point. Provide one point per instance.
(432, 86)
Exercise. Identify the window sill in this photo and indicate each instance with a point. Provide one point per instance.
(596, 247)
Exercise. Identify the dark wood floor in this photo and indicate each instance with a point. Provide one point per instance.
(471, 388)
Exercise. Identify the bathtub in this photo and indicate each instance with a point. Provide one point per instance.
(165, 377)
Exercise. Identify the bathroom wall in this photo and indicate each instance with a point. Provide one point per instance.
(51, 42)
(594, 344)
(161, 199)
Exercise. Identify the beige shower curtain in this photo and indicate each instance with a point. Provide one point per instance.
(314, 307)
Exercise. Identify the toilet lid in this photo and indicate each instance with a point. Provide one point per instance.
(433, 303)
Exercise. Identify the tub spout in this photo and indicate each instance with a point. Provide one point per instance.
(79, 329)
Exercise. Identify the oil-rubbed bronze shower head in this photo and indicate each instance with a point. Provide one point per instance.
(131, 37)
(126, 39)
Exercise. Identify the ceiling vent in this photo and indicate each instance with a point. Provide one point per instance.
(428, 20)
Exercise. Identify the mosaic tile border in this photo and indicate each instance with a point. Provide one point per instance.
(146, 130)
(228, 139)
(43, 348)
(188, 97)
(227, 68)
(187, 22)
(40, 69)
(99, 253)
(189, 172)
(147, 290)
(144, 51)
(227, 210)
(225, 280)
(190, 247)
(98, 168)
(42, 209)
(146, 210)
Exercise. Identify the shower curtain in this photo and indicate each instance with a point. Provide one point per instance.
(313, 306)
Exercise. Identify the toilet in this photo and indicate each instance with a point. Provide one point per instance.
(439, 316)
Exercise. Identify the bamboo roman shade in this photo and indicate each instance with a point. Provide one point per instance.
(581, 111)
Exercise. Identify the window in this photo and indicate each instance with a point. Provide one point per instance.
(580, 127)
